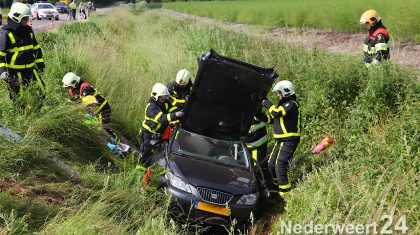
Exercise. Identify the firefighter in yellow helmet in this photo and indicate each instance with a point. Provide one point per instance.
(180, 89)
(286, 124)
(159, 113)
(376, 47)
(20, 54)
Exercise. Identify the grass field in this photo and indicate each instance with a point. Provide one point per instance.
(399, 16)
(371, 170)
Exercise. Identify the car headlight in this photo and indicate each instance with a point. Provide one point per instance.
(247, 199)
(178, 183)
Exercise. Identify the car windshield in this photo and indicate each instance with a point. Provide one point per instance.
(231, 153)
(45, 6)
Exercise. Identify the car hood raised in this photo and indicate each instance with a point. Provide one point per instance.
(200, 173)
(225, 96)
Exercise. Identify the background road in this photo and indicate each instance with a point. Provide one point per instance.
(47, 25)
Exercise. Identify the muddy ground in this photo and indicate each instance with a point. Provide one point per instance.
(406, 54)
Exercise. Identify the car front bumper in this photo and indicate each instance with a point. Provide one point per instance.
(48, 16)
(184, 206)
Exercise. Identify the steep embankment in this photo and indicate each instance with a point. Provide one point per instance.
(372, 115)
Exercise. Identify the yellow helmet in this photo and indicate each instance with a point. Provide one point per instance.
(371, 17)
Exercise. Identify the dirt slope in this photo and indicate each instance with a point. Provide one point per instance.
(407, 54)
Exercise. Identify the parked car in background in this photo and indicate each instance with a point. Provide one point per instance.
(209, 172)
(61, 7)
(44, 11)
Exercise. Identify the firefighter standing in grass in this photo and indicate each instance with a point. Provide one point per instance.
(257, 141)
(20, 54)
(81, 90)
(180, 89)
(286, 123)
(376, 47)
(159, 113)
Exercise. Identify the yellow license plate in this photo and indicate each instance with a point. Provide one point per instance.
(213, 208)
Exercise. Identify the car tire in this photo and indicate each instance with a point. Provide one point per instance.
(57, 18)
(37, 17)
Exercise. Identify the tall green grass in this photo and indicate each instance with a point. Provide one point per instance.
(400, 17)
(372, 168)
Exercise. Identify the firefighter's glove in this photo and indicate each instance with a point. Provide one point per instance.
(5, 76)
(180, 113)
(267, 104)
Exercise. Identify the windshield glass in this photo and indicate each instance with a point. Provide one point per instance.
(231, 153)
(45, 6)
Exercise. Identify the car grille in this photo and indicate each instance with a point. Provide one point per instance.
(213, 196)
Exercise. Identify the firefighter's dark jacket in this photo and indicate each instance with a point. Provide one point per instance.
(178, 94)
(376, 47)
(19, 50)
(158, 116)
(84, 89)
(257, 134)
(286, 118)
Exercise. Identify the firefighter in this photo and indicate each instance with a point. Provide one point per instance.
(286, 124)
(376, 47)
(80, 90)
(180, 89)
(256, 142)
(159, 113)
(20, 54)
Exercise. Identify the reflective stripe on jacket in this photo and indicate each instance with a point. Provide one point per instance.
(286, 119)
(158, 116)
(257, 134)
(85, 90)
(376, 47)
(19, 52)
(178, 95)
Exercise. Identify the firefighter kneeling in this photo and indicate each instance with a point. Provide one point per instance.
(80, 90)
(158, 114)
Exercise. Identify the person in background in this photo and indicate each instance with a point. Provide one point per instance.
(180, 89)
(375, 47)
(82, 11)
(89, 6)
(287, 125)
(21, 59)
(73, 7)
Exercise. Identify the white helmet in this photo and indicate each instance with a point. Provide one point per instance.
(285, 87)
(159, 90)
(18, 11)
(70, 80)
(183, 77)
